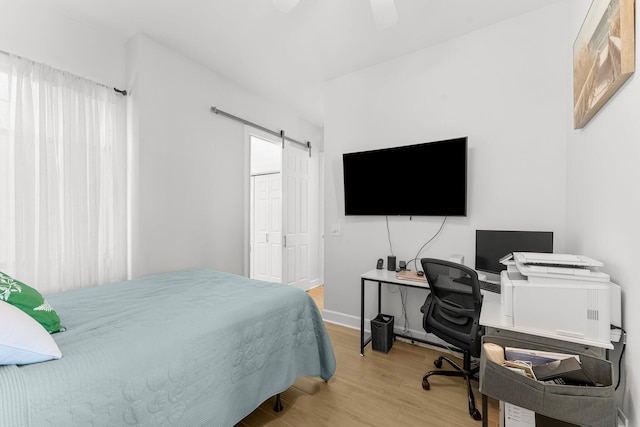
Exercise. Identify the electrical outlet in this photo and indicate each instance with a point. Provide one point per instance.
(336, 230)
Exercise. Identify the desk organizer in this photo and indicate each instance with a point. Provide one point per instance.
(591, 406)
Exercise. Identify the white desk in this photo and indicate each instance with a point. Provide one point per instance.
(491, 318)
(380, 277)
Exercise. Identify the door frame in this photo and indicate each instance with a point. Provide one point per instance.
(248, 133)
(316, 264)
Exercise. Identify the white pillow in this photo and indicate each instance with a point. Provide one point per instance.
(22, 339)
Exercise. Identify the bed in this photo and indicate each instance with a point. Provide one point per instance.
(197, 347)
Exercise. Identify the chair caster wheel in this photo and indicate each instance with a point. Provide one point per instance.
(475, 414)
(426, 385)
(437, 363)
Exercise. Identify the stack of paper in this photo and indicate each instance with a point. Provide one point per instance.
(545, 366)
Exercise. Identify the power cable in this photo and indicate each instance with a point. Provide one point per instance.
(414, 260)
(389, 235)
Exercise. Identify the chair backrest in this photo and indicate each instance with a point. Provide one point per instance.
(452, 310)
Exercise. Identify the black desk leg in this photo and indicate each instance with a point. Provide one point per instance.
(363, 342)
(361, 317)
(485, 412)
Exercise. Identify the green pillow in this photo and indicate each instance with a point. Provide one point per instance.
(30, 301)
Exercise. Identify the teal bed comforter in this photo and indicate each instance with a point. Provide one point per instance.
(189, 348)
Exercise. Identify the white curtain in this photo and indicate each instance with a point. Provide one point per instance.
(62, 178)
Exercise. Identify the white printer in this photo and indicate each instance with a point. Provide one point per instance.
(562, 296)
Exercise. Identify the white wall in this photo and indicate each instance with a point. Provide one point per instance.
(191, 191)
(266, 157)
(188, 173)
(504, 87)
(45, 33)
(603, 204)
(509, 88)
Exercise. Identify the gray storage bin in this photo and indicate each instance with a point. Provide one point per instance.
(589, 406)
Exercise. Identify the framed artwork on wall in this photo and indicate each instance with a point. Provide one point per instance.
(603, 56)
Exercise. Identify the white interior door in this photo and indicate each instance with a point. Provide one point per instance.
(295, 181)
(266, 233)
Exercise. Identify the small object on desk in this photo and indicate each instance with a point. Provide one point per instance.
(391, 263)
(411, 275)
(379, 264)
(402, 265)
(507, 259)
(484, 285)
(420, 273)
(490, 286)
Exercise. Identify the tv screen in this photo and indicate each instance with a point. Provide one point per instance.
(491, 245)
(428, 179)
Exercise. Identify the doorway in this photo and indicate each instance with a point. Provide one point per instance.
(283, 212)
(265, 234)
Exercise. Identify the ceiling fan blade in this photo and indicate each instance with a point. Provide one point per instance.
(384, 13)
(285, 6)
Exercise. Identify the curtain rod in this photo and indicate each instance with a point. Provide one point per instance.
(120, 91)
(280, 134)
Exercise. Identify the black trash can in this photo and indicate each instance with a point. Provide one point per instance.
(382, 333)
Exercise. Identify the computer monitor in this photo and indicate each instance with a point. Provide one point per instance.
(491, 245)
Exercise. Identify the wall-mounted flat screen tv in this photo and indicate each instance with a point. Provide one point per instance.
(428, 179)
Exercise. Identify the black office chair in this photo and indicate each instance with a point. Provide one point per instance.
(452, 313)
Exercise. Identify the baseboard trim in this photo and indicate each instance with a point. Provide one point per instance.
(342, 319)
(353, 322)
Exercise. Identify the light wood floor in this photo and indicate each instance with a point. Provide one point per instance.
(317, 294)
(376, 390)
